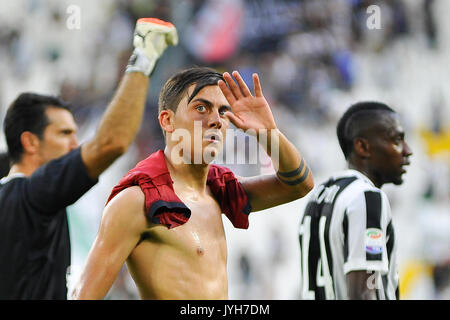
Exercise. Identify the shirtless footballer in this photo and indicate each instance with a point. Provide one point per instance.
(164, 217)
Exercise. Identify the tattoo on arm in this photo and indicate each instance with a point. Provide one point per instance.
(293, 173)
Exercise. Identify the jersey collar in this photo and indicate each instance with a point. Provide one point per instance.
(12, 176)
(352, 172)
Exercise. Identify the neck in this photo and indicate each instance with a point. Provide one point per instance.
(27, 170)
(364, 169)
(27, 165)
(192, 176)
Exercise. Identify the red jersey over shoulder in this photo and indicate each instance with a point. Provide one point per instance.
(162, 205)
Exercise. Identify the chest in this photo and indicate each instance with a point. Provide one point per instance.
(202, 233)
(205, 210)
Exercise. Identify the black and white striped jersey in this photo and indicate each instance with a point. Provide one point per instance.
(347, 226)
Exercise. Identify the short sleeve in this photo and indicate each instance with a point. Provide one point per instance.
(59, 183)
(364, 227)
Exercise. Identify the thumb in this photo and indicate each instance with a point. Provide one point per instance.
(172, 37)
(234, 119)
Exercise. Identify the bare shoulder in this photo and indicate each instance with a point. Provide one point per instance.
(128, 204)
(130, 197)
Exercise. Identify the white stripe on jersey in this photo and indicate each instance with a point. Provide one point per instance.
(355, 222)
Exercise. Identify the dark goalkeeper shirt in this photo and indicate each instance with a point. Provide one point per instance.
(34, 234)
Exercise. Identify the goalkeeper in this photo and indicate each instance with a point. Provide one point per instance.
(50, 171)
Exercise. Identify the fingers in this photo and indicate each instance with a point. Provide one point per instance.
(241, 89)
(172, 37)
(242, 85)
(234, 119)
(232, 85)
(257, 85)
(226, 92)
(231, 99)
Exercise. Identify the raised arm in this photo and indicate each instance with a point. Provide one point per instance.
(118, 125)
(122, 118)
(123, 222)
(293, 178)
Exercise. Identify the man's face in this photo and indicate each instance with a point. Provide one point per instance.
(59, 136)
(203, 117)
(389, 150)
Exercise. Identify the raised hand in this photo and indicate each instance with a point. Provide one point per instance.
(248, 111)
(151, 38)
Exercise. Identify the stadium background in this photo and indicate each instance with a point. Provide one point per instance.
(315, 58)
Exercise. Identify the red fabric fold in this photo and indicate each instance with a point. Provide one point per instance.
(162, 205)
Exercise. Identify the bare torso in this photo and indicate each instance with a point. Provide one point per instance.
(185, 262)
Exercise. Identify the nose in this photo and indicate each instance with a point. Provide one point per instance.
(407, 150)
(73, 142)
(214, 120)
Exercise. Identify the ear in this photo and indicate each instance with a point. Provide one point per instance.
(30, 142)
(166, 119)
(361, 147)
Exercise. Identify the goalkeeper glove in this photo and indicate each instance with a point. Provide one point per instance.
(151, 38)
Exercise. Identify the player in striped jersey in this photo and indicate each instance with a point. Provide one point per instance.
(347, 240)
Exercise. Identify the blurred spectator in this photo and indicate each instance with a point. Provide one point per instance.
(430, 23)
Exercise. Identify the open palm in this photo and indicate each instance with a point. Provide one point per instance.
(248, 111)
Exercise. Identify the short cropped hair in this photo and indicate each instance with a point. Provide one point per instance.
(357, 117)
(4, 164)
(27, 113)
(174, 89)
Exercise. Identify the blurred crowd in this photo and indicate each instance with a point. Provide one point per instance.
(314, 57)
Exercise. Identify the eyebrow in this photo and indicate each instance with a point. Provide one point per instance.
(67, 130)
(210, 104)
(394, 132)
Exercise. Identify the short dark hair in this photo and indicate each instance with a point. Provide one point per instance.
(4, 164)
(355, 119)
(174, 88)
(27, 113)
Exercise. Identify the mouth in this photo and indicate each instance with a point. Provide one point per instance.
(213, 137)
(406, 163)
